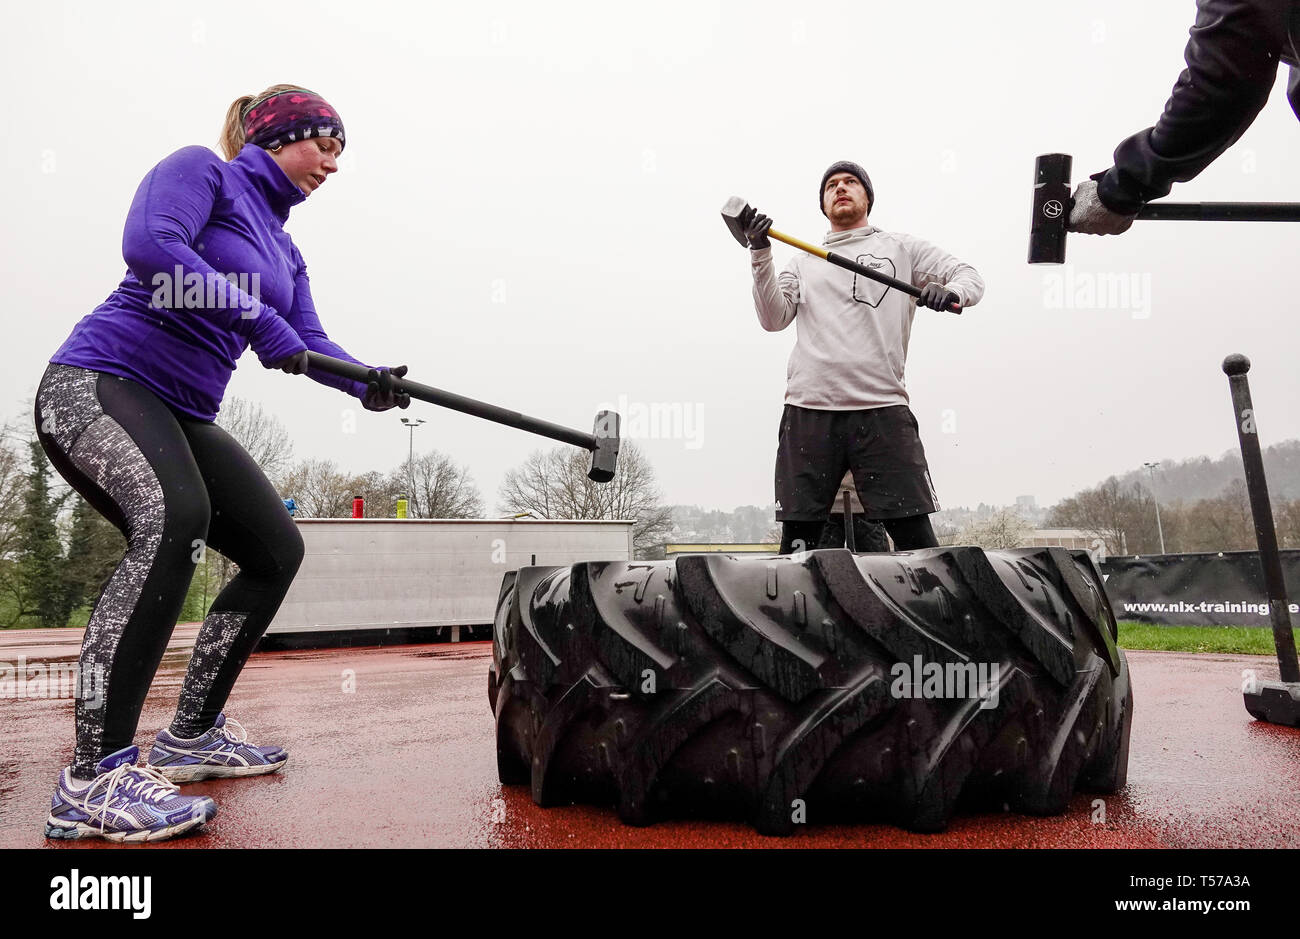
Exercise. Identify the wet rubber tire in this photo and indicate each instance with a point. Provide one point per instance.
(813, 688)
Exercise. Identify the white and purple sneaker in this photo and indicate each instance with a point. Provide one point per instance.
(124, 802)
(221, 753)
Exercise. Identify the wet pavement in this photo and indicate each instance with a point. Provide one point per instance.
(394, 748)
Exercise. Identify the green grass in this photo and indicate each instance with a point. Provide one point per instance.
(1237, 640)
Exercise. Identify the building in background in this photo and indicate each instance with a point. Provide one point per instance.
(1061, 538)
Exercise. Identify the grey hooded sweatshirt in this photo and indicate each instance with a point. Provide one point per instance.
(853, 332)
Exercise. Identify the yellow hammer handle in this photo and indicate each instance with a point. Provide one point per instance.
(796, 243)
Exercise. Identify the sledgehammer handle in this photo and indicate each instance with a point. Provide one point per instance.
(840, 261)
(456, 402)
(1221, 211)
(1236, 366)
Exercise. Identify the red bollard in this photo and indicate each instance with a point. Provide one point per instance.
(358, 507)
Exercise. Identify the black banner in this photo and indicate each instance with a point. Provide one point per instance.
(152, 885)
(1224, 589)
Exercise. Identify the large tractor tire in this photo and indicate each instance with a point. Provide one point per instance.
(794, 689)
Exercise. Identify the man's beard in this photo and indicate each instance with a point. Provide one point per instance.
(847, 213)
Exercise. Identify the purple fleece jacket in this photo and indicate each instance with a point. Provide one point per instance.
(211, 271)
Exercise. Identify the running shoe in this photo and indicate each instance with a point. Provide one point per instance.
(222, 752)
(124, 802)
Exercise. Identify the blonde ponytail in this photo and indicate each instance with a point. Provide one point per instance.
(232, 132)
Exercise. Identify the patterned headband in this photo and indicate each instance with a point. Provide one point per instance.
(287, 116)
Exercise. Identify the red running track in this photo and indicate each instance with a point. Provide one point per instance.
(406, 759)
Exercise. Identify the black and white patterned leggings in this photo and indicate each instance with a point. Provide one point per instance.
(174, 486)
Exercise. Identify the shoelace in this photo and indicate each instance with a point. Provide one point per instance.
(238, 728)
(153, 786)
(149, 786)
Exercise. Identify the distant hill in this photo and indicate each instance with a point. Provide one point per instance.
(1203, 478)
(1175, 480)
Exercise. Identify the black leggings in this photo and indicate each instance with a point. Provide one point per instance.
(909, 533)
(174, 486)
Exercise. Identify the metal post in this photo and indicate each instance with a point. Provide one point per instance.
(410, 454)
(1236, 367)
(1151, 472)
(850, 541)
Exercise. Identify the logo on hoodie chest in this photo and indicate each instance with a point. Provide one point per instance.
(868, 291)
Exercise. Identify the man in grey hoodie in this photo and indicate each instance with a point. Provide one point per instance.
(846, 404)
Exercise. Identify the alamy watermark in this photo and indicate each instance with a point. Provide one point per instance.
(75, 891)
(52, 680)
(176, 289)
(660, 420)
(1068, 289)
(951, 680)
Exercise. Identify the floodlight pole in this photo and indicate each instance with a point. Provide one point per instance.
(1151, 472)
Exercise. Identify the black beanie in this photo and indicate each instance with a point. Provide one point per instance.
(844, 166)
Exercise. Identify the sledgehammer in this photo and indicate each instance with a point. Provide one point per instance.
(1052, 203)
(602, 442)
(731, 215)
(1277, 702)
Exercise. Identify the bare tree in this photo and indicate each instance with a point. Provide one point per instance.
(1287, 518)
(378, 490)
(442, 488)
(1004, 529)
(1123, 516)
(1223, 523)
(320, 489)
(554, 484)
(260, 433)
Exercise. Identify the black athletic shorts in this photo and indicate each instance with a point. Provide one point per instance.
(881, 446)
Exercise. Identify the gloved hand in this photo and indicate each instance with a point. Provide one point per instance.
(936, 297)
(755, 226)
(380, 395)
(273, 339)
(295, 364)
(1090, 215)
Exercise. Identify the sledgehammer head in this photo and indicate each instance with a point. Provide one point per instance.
(1051, 209)
(731, 215)
(604, 455)
(1277, 702)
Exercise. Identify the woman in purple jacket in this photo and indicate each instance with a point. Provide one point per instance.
(125, 413)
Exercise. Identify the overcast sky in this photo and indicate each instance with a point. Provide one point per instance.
(527, 213)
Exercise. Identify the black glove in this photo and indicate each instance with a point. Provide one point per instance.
(294, 365)
(755, 225)
(936, 297)
(380, 395)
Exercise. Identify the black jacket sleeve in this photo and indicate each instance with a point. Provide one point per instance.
(1232, 58)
